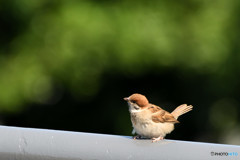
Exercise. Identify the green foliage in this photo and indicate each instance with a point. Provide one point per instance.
(75, 41)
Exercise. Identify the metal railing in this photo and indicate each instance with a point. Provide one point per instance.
(34, 144)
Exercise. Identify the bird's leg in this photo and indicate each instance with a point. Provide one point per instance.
(137, 137)
(157, 139)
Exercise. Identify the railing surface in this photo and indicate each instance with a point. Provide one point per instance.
(35, 144)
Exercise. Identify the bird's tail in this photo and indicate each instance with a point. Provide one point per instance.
(180, 110)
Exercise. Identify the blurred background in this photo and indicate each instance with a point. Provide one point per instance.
(67, 65)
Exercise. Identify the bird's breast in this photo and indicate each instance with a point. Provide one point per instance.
(144, 126)
(140, 118)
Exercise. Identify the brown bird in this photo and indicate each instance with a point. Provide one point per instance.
(151, 121)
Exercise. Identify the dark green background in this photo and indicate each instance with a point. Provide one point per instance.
(68, 64)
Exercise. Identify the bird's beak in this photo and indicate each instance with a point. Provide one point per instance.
(126, 99)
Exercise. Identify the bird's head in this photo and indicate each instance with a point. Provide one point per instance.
(136, 101)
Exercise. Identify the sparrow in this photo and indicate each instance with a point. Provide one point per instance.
(151, 121)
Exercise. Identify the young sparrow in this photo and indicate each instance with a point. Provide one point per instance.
(151, 121)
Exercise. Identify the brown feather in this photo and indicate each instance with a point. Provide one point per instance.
(180, 110)
(139, 99)
(153, 108)
(161, 116)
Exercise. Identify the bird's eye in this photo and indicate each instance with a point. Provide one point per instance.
(133, 101)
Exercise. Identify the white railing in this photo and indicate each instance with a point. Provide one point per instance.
(35, 144)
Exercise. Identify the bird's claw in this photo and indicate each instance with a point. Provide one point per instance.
(137, 137)
(157, 139)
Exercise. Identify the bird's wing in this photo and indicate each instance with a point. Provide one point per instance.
(160, 116)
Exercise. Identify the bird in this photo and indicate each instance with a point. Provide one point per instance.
(151, 121)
